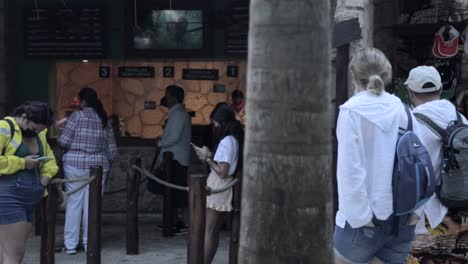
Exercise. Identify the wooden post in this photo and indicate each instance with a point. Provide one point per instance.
(235, 216)
(133, 186)
(38, 218)
(342, 62)
(197, 211)
(168, 210)
(43, 229)
(94, 217)
(49, 221)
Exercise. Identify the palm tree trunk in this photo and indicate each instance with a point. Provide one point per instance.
(287, 205)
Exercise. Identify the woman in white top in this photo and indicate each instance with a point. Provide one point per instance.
(223, 166)
(367, 132)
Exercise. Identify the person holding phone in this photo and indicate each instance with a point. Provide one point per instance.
(23, 177)
(223, 166)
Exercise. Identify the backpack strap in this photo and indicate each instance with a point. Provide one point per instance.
(431, 124)
(410, 119)
(459, 118)
(12, 133)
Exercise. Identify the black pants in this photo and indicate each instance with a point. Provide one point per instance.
(179, 177)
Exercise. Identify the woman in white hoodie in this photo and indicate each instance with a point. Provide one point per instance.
(367, 132)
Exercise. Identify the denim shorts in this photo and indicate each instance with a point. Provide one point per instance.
(19, 195)
(361, 245)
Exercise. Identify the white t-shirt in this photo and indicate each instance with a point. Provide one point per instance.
(228, 150)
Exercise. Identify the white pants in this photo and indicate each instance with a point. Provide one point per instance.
(77, 207)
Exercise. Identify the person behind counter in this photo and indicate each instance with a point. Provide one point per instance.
(118, 126)
(89, 140)
(23, 178)
(238, 103)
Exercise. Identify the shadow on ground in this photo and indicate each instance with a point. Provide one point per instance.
(153, 247)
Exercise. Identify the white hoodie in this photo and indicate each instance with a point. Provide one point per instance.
(442, 112)
(367, 132)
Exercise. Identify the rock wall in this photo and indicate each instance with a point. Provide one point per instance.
(125, 96)
(115, 196)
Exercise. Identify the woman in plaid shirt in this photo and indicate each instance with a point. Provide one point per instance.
(88, 140)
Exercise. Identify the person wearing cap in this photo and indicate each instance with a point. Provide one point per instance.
(425, 88)
(176, 139)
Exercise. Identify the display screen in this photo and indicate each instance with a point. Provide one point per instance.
(169, 30)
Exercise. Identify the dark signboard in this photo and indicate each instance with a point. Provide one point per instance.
(136, 72)
(104, 72)
(200, 74)
(168, 71)
(232, 71)
(237, 31)
(59, 32)
(149, 105)
(346, 31)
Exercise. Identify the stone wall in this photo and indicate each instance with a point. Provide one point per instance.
(362, 9)
(125, 96)
(115, 197)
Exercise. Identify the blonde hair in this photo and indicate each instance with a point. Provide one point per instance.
(371, 69)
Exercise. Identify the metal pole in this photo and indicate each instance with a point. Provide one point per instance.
(197, 210)
(133, 187)
(94, 217)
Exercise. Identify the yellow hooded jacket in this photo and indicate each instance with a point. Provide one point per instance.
(10, 164)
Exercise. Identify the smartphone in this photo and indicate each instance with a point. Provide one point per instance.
(43, 158)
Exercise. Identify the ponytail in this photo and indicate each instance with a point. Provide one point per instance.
(375, 85)
(89, 96)
(371, 70)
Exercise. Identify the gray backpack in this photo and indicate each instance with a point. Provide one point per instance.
(452, 188)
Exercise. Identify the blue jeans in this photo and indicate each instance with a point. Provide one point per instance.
(19, 194)
(361, 245)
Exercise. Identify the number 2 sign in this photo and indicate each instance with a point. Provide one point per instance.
(168, 72)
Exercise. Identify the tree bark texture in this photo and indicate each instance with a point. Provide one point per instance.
(287, 202)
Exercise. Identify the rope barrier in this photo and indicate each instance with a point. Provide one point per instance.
(64, 195)
(163, 182)
(183, 188)
(210, 191)
(62, 181)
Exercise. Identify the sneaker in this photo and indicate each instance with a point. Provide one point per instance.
(70, 251)
(85, 248)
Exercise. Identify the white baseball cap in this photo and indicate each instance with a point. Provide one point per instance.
(424, 79)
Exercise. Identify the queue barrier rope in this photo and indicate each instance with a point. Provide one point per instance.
(64, 195)
(209, 191)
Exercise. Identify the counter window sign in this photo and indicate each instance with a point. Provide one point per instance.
(168, 72)
(232, 71)
(104, 72)
(136, 72)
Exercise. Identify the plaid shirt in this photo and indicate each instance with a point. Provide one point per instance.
(87, 142)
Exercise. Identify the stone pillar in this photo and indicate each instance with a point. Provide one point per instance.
(364, 10)
(3, 83)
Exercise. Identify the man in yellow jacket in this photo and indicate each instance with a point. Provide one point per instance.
(27, 163)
